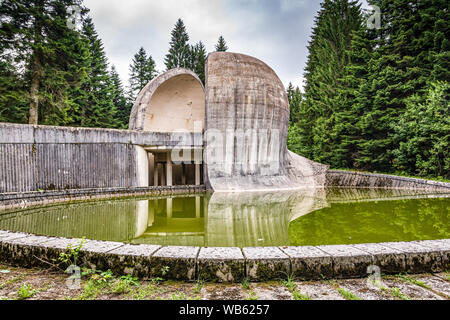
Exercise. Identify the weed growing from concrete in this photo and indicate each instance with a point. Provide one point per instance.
(245, 284)
(300, 296)
(347, 294)
(25, 291)
(396, 292)
(252, 296)
(408, 279)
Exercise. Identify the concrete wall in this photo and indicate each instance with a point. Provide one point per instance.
(247, 118)
(173, 101)
(56, 158)
(352, 179)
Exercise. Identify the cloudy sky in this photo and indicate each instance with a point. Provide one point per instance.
(275, 31)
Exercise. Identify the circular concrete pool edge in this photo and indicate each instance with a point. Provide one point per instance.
(211, 264)
(231, 264)
(38, 198)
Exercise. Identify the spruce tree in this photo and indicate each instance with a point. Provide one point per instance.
(221, 45)
(44, 50)
(295, 98)
(407, 55)
(423, 133)
(328, 57)
(180, 50)
(198, 60)
(14, 104)
(93, 97)
(142, 71)
(119, 100)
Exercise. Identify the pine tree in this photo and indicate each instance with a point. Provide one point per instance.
(119, 100)
(198, 60)
(407, 55)
(14, 104)
(142, 71)
(44, 49)
(94, 98)
(328, 57)
(354, 97)
(423, 133)
(295, 98)
(221, 45)
(180, 50)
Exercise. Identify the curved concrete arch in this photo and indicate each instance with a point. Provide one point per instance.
(247, 119)
(171, 102)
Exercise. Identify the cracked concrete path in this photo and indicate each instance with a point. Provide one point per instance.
(38, 284)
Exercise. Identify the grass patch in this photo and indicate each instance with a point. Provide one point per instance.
(252, 296)
(245, 284)
(347, 294)
(300, 296)
(124, 285)
(12, 281)
(396, 292)
(143, 292)
(26, 291)
(407, 279)
(198, 287)
(182, 296)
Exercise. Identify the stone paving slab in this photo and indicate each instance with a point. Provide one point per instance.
(439, 245)
(29, 240)
(221, 264)
(361, 289)
(180, 261)
(418, 258)
(62, 243)
(348, 261)
(144, 250)
(266, 263)
(131, 260)
(94, 253)
(270, 292)
(436, 283)
(7, 236)
(309, 262)
(318, 291)
(51, 250)
(23, 250)
(231, 264)
(389, 260)
(223, 292)
(410, 291)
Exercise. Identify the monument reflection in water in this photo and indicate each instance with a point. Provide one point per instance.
(308, 217)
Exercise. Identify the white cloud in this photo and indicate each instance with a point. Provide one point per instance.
(275, 31)
(287, 5)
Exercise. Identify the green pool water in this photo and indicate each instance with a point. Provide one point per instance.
(308, 217)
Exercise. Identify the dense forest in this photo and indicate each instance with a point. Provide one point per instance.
(375, 97)
(54, 70)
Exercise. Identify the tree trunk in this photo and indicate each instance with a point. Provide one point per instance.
(34, 104)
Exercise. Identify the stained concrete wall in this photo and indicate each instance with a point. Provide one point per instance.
(247, 118)
(56, 158)
(352, 179)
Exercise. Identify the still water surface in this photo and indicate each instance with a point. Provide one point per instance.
(309, 217)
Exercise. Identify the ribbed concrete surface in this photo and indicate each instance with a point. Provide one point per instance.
(60, 158)
(247, 117)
